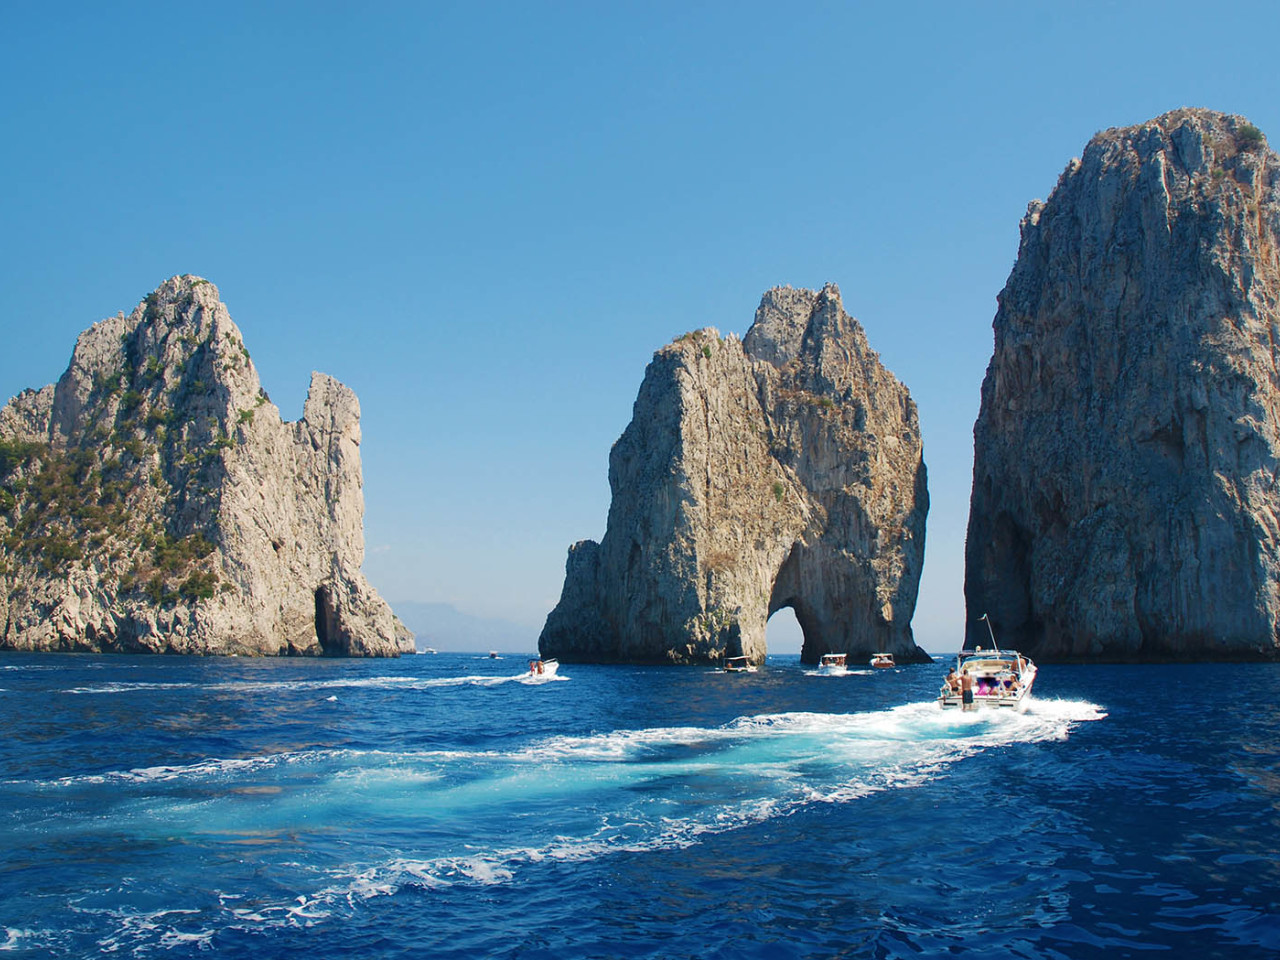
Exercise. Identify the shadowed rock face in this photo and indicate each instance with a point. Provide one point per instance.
(783, 470)
(154, 501)
(1125, 496)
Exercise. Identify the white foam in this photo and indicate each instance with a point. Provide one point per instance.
(581, 798)
(900, 748)
(302, 686)
(15, 939)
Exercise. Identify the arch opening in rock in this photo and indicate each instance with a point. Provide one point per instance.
(788, 594)
(783, 633)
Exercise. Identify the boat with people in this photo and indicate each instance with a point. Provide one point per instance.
(834, 664)
(989, 678)
(883, 660)
(544, 668)
(739, 665)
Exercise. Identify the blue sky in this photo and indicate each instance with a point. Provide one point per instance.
(486, 217)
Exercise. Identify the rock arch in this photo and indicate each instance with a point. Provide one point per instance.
(783, 469)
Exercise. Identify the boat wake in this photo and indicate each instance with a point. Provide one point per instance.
(351, 683)
(553, 799)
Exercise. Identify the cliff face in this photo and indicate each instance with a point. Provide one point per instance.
(154, 501)
(1125, 495)
(783, 470)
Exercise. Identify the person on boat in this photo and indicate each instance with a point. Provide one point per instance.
(951, 683)
(966, 691)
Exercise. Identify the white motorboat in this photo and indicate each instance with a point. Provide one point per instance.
(739, 665)
(882, 660)
(544, 668)
(835, 664)
(994, 678)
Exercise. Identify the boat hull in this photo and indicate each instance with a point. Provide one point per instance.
(1017, 704)
(542, 669)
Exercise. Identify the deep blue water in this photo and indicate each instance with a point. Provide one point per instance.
(435, 806)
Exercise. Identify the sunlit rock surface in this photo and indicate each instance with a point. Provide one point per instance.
(154, 501)
(782, 470)
(1125, 493)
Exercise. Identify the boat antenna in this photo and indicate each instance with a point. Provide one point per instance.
(991, 633)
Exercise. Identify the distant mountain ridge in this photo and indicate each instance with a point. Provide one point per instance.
(442, 626)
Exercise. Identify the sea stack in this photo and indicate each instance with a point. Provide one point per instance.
(152, 501)
(1125, 484)
(781, 470)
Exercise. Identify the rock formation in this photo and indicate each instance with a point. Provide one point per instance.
(783, 470)
(154, 501)
(1125, 496)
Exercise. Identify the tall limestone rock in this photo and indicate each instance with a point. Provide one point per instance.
(1125, 495)
(783, 470)
(154, 501)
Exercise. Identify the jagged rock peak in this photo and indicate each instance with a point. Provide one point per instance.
(153, 500)
(1124, 495)
(782, 470)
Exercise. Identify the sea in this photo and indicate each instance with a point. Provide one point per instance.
(454, 806)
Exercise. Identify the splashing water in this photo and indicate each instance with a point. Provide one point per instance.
(243, 801)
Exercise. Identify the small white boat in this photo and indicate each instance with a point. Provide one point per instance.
(835, 664)
(543, 668)
(493, 654)
(738, 665)
(882, 660)
(993, 678)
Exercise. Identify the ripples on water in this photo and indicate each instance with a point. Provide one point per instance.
(449, 806)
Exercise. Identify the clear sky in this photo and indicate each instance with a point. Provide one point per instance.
(486, 217)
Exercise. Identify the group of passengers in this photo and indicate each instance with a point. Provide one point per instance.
(966, 686)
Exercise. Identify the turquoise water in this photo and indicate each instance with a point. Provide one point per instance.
(448, 806)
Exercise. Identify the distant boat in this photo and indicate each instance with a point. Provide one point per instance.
(739, 665)
(834, 664)
(430, 650)
(882, 660)
(997, 678)
(493, 654)
(543, 668)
